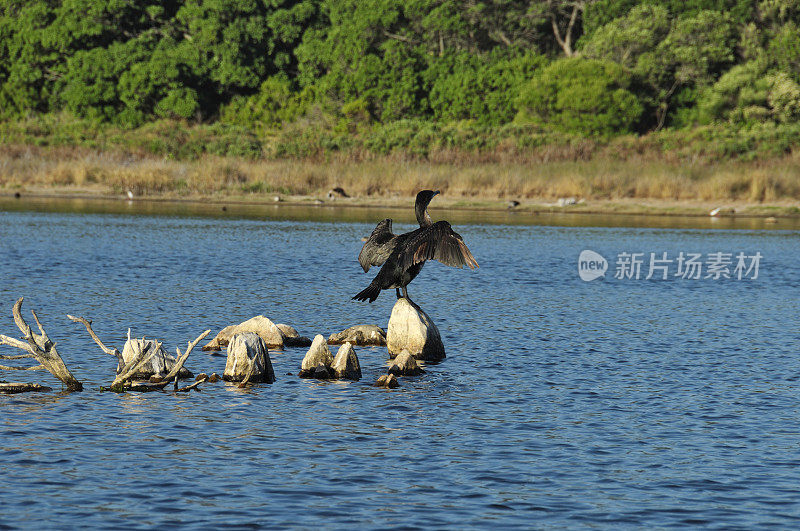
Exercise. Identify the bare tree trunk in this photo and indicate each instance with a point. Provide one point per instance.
(565, 39)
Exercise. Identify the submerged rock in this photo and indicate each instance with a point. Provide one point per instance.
(345, 364)
(318, 354)
(266, 329)
(405, 365)
(360, 335)
(389, 381)
(321, 372)
(159, 365)
(291, 338)
(248, 359)
(411, 329)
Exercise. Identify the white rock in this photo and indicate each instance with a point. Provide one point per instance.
(318, 354)
(360, 335)
(411, 329)
(159, 365)
(345, 364)
(246, 350)
(405, 365)
(388, 381)
(259, 324)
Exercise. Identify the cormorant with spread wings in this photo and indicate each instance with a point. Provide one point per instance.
(402, 256)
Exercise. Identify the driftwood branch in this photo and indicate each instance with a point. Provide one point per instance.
(19, 357)
(137, 363)
(180, 361)
(21, 387)
(40, 347)
(121, 382)
(192, 386)
(34, 368)
(88, 324)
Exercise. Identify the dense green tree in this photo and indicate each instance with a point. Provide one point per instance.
(690, 51)
(602, 12)
(585, 96)
(748, 94)
(466, 86)
(626, 39)
(633, 64)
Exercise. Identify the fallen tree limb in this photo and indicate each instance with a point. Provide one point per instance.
(88, 324)
(20, 357)
(181, 360)
(34, 368)
(40, 347)
(20, 387)
(145, 350)
(129, 370)
(192, 386)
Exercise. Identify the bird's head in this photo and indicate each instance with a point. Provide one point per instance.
(421, 206)
(424, 197)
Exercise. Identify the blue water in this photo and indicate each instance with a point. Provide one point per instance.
(561, 403)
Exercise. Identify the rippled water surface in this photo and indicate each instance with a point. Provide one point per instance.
(561, 403)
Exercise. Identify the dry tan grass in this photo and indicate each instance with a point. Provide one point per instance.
(598, 178)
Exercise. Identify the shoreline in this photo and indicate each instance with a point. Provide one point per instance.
(597, 207)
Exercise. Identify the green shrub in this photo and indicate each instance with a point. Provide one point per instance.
(276, 103)
(466, 86)
(584, 96)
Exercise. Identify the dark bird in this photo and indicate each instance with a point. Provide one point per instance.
(402, 256)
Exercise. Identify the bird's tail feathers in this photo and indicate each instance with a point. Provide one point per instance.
(370, 293)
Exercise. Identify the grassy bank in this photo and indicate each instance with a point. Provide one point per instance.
(169, 159)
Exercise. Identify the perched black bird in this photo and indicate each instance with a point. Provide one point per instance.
(403, 255)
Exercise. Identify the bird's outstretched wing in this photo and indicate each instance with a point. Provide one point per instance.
(437, 242)
(378, 246)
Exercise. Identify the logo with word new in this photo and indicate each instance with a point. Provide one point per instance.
(591, 265)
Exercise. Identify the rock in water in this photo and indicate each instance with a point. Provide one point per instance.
(388, 381)
(318, 354)
(345, 364)
(360, 335)
(411, 329)
(291, 338)
(248, 355)
(159, 365)
(321, 372)
(259, 324)
(405, 365)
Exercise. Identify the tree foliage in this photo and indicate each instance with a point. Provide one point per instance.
(582, 96)
(633, 65)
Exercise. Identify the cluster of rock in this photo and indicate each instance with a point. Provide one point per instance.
(410, 336)
(320, 364)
